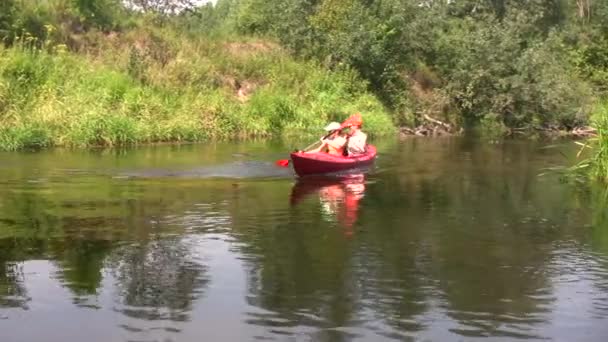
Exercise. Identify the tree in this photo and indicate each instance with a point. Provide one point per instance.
(7, 16)
(162, 7)
(103, 14)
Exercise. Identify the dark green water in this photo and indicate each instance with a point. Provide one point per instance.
(443, 240)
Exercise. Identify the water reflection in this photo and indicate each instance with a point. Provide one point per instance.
(339, 196)
(444, 241)
(81, 263)
(157, 279)
(12, 286)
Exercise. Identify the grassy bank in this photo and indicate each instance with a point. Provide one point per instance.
(116, 72)
(595, 164)
(157, 86)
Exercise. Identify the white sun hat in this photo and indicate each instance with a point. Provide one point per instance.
(333, 126)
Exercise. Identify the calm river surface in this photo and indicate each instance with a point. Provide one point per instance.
(442, 240)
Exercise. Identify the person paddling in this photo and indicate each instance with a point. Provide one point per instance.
(334, 144)
(357, 140)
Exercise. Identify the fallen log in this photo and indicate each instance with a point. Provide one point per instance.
(435, 121)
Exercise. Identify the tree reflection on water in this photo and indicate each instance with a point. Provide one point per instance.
(447, 241)
(12, 285)
(157, 279)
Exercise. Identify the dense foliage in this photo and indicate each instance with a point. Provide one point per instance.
(513, 63)
(498, 64)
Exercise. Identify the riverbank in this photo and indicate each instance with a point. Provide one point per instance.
(155, 86)
(81, 75)
(433, 127)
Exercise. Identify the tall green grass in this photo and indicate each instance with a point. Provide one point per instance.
(153, 85)
(599, 160)
(595, 163)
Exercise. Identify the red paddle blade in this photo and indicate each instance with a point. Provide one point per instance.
(283, 162)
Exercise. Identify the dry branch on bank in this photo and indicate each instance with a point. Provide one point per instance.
(435, 127)
(431, 127)
(584, 131)
(577, 132)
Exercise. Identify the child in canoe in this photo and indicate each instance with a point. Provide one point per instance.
(333, 144)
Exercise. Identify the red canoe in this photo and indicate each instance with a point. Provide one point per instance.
(316, 163)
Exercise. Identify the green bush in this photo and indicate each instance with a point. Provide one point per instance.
(28, 135)
(597, 164)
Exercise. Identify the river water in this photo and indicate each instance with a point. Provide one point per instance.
(441, 240)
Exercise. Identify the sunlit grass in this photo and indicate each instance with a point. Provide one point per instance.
(155, 86)
(594, 150)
